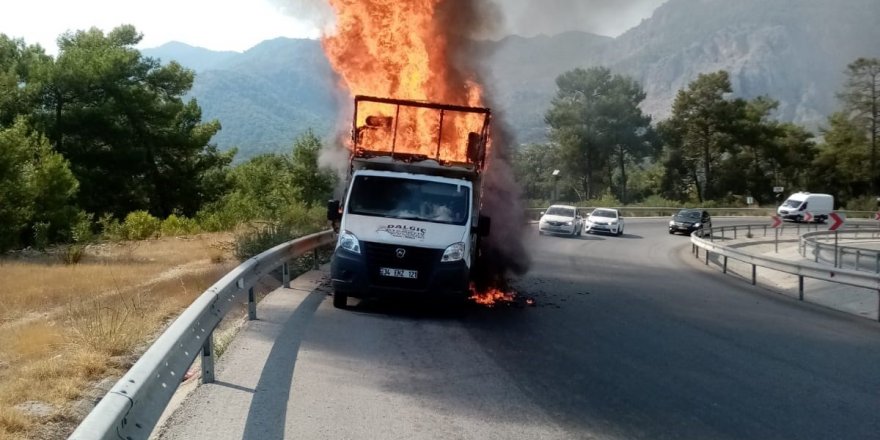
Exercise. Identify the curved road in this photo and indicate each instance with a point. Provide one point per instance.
(631, 338)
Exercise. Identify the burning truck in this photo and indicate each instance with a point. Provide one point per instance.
(410, 221)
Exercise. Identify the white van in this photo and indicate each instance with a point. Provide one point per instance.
(794, 208)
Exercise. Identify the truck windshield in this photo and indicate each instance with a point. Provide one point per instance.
(791, 203)
(410, 199)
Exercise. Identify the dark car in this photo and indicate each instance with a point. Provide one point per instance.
(690, 220)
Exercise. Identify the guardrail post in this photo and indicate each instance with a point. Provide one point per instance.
(858, 259)
(725, 264)
(776, 241)
(285, 275)
(252, 305)
(734, 232)
(754, 275)
(749, 230)
(208, 359)
(877, 263)
(723, 235)
(697, 254)
(836, 249)
(317, 262)
(816, 251)
(765, 230)
(707, 257)
(801, 287)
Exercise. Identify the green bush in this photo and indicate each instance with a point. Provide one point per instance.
(303, 220)
(174, 226)
(111, 228)
(260, 239)
(656, 201)
(41, 235)
(140, 225)
(864, 203)
(81, 230)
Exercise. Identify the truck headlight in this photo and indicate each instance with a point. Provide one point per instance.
(349, 242)
(697, 225)
(453, 253)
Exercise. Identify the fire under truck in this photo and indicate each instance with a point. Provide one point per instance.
(409, 223)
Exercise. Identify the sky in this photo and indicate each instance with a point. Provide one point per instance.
(238, 25)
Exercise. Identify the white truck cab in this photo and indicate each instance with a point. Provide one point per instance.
(409, 224)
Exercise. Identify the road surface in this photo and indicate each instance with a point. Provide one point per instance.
(630, 338)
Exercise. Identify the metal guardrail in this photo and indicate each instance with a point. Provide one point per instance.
(805, 269)
(821, 243)
(132, 407)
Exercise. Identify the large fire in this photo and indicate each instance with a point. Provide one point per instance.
(412, 50)
(400, 49)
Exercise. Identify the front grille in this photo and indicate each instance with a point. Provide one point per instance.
(385, 255)
(555, 223)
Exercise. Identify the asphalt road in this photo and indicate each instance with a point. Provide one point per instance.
(630, 338)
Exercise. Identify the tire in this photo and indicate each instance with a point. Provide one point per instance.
(619, 232)
(671, 232)
(340, 300)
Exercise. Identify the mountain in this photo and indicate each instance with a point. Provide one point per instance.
(195, 58)
(794, 51)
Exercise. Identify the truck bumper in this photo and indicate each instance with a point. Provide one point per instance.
(352, 275)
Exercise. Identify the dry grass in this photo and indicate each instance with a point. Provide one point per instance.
(64, 328)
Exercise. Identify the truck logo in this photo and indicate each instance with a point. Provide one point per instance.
(401, 231)
(400, 252)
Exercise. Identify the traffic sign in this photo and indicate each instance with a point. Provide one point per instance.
(877, 216)
(837, 220)
(778, 189)
(808, 217)
(777, 221)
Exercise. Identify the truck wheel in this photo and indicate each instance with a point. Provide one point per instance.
(340, 300)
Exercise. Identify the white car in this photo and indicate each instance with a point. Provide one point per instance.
(561, 219)
(605, 220)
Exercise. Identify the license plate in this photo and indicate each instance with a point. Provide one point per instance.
(398, 273)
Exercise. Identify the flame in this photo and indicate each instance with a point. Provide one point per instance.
(399, 49)
(491, 296)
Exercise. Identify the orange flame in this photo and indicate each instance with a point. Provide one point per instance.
(491, 296)
(398, 49)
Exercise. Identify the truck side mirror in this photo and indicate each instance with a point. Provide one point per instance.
(485, 224)
(333, 213)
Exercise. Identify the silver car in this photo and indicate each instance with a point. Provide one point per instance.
(561, 219)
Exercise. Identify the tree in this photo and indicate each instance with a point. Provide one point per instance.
(533, 167)
(701, 122)
(310, 184)
(36, 185)
(120, 120)
(595, 118)
(842, 164)
(19, 95)
(861, 99)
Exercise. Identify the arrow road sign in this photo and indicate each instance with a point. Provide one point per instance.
(837, 220)
(777, 221)
(877, 216)
(808, 217)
